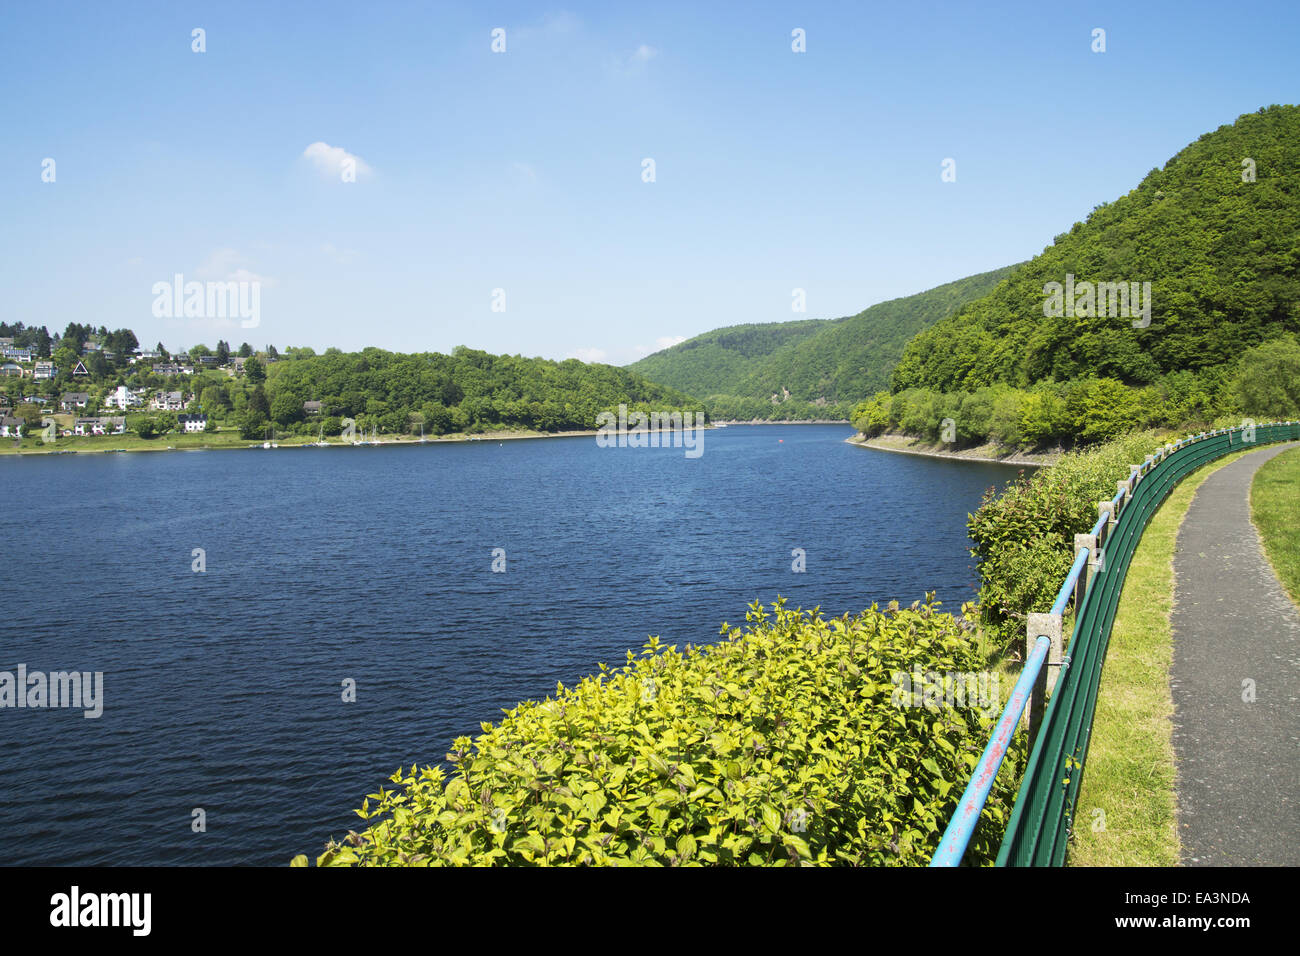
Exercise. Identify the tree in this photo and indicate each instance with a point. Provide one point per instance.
(245, 350)
(123, 342)
(65, 360)
(257, 403)
(223, 352)
(255, 371)
(252, 425)
(214, 398)
(286, 409)
(1267, 384)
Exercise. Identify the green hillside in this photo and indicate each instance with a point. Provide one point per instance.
(821, 362)
(1222, 256)
(716, 362)
(851, 358)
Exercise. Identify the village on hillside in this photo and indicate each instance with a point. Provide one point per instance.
(87, 383)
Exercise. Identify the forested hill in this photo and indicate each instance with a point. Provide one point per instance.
(835, 360)
(1216, 233)
(467, 390)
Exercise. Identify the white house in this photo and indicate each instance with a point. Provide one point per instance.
(168, 402)
(44, 370)
(192, 423)
(121, 397)
(99, 426)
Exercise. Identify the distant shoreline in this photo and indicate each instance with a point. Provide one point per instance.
(988, 453)
(764, 421)
(115, 443)
(121, 444)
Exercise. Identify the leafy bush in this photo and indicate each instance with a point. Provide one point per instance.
(1267, 384)
(778, 746)
(872, 416)
(1024, 539)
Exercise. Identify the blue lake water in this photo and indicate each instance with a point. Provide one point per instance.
(223, 689)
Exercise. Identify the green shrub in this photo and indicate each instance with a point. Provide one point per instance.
(780, 745)
(872, 416)
(1024, 539)
(1267, 384)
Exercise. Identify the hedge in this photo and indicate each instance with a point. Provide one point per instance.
(786, 743)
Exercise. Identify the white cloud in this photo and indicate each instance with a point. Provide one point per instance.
(331, 161)
(661, 343)
(229, 265)
(634, 62)
(526, 171)
(588, 355)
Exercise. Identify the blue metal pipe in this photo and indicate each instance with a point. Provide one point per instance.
(1096, 529)
(962, 825)
(1063, 596)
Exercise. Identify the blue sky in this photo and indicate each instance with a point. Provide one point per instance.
(522, 170)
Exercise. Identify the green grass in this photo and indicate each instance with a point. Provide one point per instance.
(1275, 509)
(1126, 813)
(129, 441)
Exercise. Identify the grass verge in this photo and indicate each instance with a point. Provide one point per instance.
(1275, 510)
(1126, 814)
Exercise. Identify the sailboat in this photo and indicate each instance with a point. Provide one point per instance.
(320, 441)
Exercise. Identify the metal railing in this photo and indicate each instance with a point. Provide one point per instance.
(1039, 829)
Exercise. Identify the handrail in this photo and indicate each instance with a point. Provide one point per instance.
(1063, 595)
(1089, 656)
(959, 831)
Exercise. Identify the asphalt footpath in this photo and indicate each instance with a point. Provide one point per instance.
(1235, 682)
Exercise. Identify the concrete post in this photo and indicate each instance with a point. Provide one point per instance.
(1127, 488)
(1038, 625)
(1106, 508)
(1082, 541)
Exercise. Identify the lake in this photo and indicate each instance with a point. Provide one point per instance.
(223, 690)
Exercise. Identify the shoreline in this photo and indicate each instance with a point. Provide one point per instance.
(246, 443)
(765, 421)
(987, 453)
(135, 443)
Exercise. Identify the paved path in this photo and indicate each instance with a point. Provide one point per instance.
(1238, 763)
